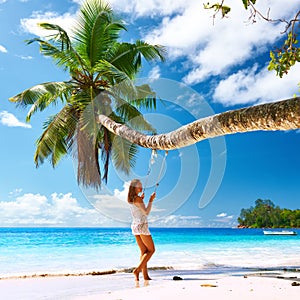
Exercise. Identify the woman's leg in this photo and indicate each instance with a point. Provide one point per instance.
(148, 243)
(143, 249)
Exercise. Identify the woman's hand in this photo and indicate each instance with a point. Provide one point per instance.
(152, 197)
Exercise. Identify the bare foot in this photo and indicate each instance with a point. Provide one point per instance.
(136, 274)
(145, 274)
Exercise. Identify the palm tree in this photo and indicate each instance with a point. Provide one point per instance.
(101, 72)
(281, 115)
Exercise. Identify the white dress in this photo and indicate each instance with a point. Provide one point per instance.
(139, 223)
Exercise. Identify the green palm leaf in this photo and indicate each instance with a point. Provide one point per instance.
(128, 57)
(42, 95)
(58, 46)
(97, 29)
(145, 98)
(150, 52)
(132, 116)
(60, 37)
(112, 74)
(123, 154)
(57, 137)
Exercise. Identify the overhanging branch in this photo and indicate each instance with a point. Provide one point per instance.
(281, 115)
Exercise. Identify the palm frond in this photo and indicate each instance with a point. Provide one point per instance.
(42, 95)
(81, 98)
(58, 46)
(97, 29)
(57, 137)
(60, 37)
(131, 116)
(150, 52)
(123, 154)
(125, 58)
(140, 96)
(88, 116)
(128, 99)
(112, 73)
(144, 97)
(147, 102)
(128, 57)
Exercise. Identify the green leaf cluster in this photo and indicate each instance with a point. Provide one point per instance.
(224, 9)
(284, 58)
(266, 215)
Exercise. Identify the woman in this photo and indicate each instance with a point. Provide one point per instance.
(139, 226)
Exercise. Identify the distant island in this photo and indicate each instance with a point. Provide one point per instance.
(266, 215)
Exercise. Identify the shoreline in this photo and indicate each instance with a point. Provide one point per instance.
(217, 270)
(194, 284)
(79, 274)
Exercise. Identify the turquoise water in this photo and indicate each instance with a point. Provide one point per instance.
(27, 251)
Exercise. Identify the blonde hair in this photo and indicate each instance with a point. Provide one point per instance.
(132, 192)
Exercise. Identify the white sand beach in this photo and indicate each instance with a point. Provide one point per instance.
(223, 288)
(122, 286)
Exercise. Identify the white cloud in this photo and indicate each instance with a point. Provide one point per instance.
(16, 192)
(211, 50)
(30, 25)
(37, 210)
(3, 49)
(145, 8)
(149, 8)
(28, 57)
(179, 33)
(225, 219)
(221, 215)
(64, 210)
(78, 1)
(154, 73)
(8, 119)
(176, 221)
(252, 85)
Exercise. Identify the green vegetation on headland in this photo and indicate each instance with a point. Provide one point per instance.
(266, 215)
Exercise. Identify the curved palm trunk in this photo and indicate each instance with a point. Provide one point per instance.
(282, 115)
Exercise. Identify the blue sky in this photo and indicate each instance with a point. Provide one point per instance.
(211, 67)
